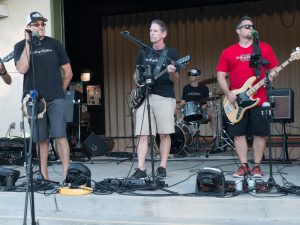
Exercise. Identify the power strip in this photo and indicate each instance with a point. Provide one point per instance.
(81, 190)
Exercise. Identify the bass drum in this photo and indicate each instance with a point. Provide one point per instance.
(181, 139)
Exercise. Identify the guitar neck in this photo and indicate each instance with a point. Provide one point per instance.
(272, 74)
(160, 74)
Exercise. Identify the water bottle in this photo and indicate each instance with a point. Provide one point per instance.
(239, 185)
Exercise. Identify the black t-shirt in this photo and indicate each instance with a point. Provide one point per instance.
(48, 56)
(190, 93)
(163, 86)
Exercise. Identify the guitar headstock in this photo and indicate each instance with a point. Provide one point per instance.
(7, 57)
(295, 54)
(183, 60)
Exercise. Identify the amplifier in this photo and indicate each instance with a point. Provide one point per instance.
(283, 101)
(12, 151)
(72, 106)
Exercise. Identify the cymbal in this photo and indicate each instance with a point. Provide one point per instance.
(208, 80)
(211, 98)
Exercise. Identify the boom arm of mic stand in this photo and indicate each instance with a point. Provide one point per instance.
(144, 46)
(134, 40)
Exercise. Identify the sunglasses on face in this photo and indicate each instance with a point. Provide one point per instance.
(38, 24)
(247, 26)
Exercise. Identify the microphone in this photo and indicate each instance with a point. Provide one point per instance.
(254, 34)
(124, 32)
(35, 34)
(35, 38)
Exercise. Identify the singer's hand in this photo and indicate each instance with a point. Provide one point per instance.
(27, 33)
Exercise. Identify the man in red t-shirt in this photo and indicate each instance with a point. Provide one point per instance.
(234, 62)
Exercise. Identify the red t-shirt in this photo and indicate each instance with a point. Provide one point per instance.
(235, 61)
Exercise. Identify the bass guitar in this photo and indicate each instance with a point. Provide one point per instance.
(235, 111)
(138, 93)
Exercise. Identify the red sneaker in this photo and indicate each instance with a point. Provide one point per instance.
(257, 172)
(242, 171)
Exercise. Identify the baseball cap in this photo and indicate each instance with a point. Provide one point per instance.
(35, 16)
(194, 72)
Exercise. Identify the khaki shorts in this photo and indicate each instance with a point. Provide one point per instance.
(162, 111)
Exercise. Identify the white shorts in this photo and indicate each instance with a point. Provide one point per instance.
(162, 111)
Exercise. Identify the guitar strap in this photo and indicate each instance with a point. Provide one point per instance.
(160, 62)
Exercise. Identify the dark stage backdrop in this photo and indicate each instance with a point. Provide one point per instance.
(200, 31)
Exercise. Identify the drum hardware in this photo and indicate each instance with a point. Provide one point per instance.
(210, 80)
(211, 98)
(180, 140)
(196, 143)
(222, 139)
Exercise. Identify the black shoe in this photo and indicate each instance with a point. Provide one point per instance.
(139, 174)
(161, 172)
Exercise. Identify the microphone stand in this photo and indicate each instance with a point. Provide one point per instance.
(149, 81)
(268, 112)
(33, 124)
(257, 62)
(29, 168)
(133, 154)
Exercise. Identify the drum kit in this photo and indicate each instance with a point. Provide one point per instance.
(187, 126)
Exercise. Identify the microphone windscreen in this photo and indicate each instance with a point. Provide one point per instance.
(35, 34)
(254, 34)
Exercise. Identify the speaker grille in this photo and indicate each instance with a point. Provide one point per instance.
(283, 101)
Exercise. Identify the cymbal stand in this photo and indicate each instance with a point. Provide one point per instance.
(195, 142)
(222, 139)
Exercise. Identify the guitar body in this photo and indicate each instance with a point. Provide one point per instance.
(235, 111)
(138, 95)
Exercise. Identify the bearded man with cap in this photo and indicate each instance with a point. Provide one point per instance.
(195, 92)
(41, 59)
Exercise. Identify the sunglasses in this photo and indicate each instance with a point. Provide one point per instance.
(247, 26)
(38, 24)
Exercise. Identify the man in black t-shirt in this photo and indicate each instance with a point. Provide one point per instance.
(41, 58)
(195, 92)
(162, 99)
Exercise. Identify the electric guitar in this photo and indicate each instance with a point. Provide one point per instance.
(235, 111)
(7, 57)
(138, 93)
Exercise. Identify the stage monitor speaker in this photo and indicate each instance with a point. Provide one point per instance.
(78, 174)
(95, 145)
(71, 108)
(210, 181)
(8, 177)
(283, 102)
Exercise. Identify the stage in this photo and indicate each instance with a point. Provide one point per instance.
(176, 203)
